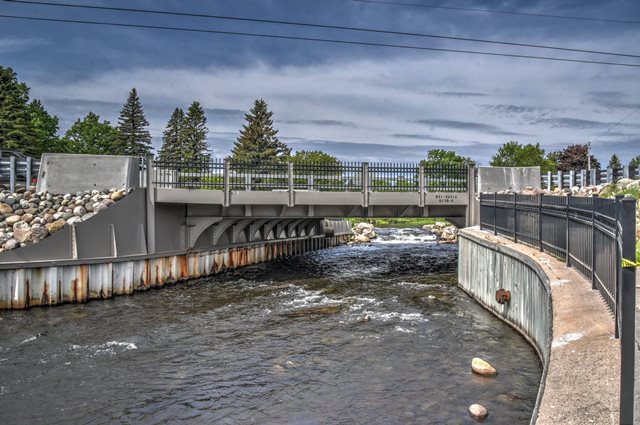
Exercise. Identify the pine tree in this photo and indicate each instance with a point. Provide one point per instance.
(45, 128)
(258, 141)
(172, 145)
(614, 162)
(193, 137)
(16, 131)
(134, 138)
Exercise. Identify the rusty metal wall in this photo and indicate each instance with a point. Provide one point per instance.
(77, 283)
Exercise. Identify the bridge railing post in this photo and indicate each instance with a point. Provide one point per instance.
(225, 182)
(365, 184)
(290, 183)
(27, 176)
(421, 184)
(151, 216)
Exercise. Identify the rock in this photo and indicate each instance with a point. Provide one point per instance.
(79, 211)
(87, 216)
(67, 197)
(38, 233)
(11, 244)
(55, 226)
(22, 231)
(5, 208)
(624, 183)
(482, 368)
(27, 218)
(361, 239)
(427, 227)
(478, 411)
(88, 206)
(49, 218)
(441, 224)
(12, 220)
(74, 220)
(116, 196)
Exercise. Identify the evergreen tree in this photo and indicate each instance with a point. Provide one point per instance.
(614, 162)
(635, 162)
(16, 131)
(258, 141)
(45, 128)
(134, 138)
(193, 136)
(89, 136)
(172, 146)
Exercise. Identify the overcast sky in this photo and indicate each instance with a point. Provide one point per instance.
(358, 103)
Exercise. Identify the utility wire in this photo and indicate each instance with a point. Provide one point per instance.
(617, 124)
(314, 25)
(506, 12)
(320, 40)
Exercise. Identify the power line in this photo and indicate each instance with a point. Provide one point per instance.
(617, 124)
(506, 12)
(314, 25)
(320, 40)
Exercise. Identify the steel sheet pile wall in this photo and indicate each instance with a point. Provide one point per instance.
(484, 267)
(76, 283)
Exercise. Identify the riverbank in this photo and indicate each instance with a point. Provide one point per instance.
(583, 372)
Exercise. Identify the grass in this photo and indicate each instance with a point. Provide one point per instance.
(407, 222)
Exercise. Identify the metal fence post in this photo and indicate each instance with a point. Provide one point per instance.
(365, 184)
(572, 179)
(540, 223)
(225, 182)
(610, 178)
(290, 182)
(593, 177)
(549, 180)
(626, 172)
(27, 176)
(583, 178)
(560, 177)
(568, 233)
(627, 301)
(12, 174)
(495, 213)
(593, 241)
(618, 263)
(421, 184)
(515, 217)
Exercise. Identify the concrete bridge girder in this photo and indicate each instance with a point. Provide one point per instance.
(198, 225)
(255, 228)
(220, 228)
(293, 227)
(283, 226)
(268, 227)
(240, 227)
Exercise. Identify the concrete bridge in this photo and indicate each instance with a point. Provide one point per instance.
(273, 199)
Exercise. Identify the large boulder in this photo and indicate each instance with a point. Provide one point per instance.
(55, 226)
(5, 208)
(22, 231)
(482, 367)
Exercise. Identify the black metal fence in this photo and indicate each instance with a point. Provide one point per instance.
(595, 236)
(326, 177)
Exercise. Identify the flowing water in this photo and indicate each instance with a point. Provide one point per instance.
(368, 334)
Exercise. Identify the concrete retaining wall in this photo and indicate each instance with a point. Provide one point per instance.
(484, 267)
(568, 323)
(77, 282)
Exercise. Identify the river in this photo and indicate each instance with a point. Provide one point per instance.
(367, 334)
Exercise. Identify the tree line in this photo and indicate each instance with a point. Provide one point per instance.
(26, 126)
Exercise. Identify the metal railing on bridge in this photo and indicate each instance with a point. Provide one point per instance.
(595, 176)
(15, 170)
(227, 174)
(596, 236)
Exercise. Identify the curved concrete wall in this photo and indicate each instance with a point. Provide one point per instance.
(485, 266)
